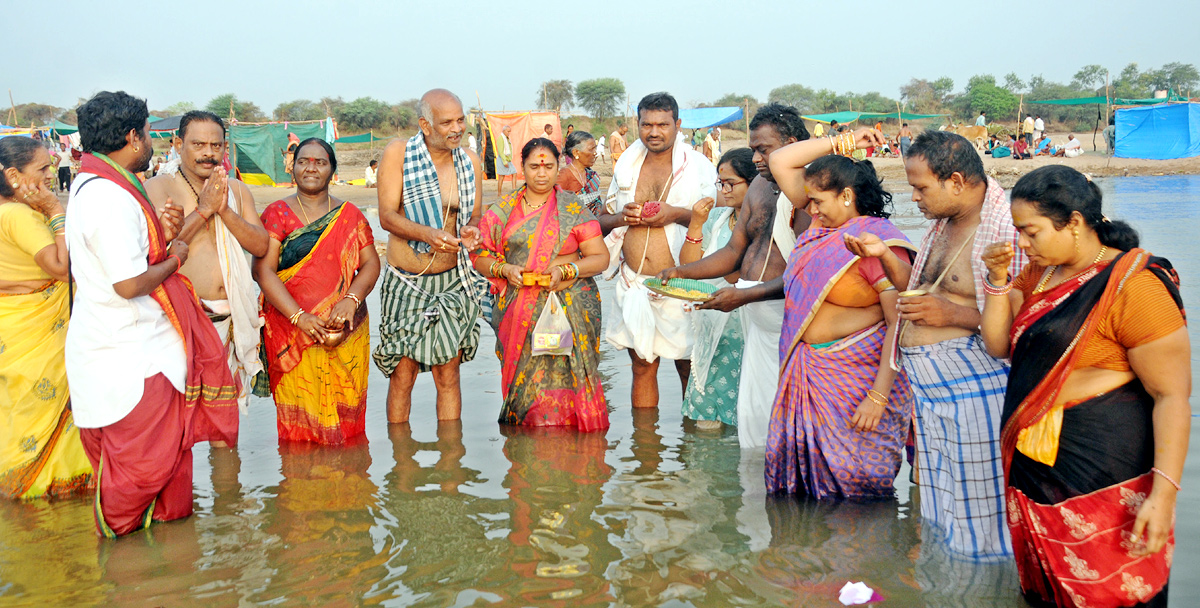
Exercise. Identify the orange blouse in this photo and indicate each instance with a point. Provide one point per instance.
(1142, 313)
(860, 286)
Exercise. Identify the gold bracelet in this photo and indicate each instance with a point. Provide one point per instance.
(351, 295)
(296, 317)
(881, 399)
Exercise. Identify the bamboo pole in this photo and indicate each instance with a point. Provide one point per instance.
(746, 100)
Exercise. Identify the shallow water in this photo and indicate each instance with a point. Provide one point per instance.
(475, 514)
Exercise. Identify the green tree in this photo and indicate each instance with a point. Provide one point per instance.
(180, 107)
(299, 109)
(927, 97)
(1089, 77)
(363, 113)
(1175, 76)
(245, 111)
(982, 95)
(556, 95)
(798, 96)
(1131, 83)
(872, 101)
(36, 114)
(1013, 83)
(331, 105)
(600, 97)
(402, 116)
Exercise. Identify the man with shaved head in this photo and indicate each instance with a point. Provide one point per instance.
(430, 203)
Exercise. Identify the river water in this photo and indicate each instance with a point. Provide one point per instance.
(651, 513)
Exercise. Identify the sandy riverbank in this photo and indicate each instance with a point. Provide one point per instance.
(1006, 170)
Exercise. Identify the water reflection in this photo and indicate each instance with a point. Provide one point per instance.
(444, 538)
(322, 518)
(653, 512)
(558, 552)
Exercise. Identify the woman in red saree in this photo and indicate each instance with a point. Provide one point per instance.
(542, 231)
(1096, 418)
(320, 267)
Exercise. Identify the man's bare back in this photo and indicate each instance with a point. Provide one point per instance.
(763, 261)
(202, 267)
(958, 286)
(646, 249)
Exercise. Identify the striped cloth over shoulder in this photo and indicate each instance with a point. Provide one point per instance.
(423, 194)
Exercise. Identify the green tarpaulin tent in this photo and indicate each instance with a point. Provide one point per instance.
(259, 149)
(1083, 101)
(365, 138)
(63, 128)
(848, 117)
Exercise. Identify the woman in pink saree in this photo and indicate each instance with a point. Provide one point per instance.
(841, 414)
(543, 233)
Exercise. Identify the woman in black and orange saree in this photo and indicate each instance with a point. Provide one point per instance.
(1096, 418)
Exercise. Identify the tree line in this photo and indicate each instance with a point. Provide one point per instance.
(605, 98)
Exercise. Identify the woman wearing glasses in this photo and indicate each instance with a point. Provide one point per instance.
(712, 390)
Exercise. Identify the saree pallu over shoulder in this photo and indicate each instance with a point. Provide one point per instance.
(545, 390)
(1071, 518)
(41, 454)
(210, 388)
(818, 261)
(317, 263)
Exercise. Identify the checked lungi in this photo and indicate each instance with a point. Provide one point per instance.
(959, 391)
(428, 319)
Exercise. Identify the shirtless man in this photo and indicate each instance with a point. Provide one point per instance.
(904, 137)
(764, 235)
(431, 297)
(647, 240)
(617, 143)
(959, 388)
(220, 275)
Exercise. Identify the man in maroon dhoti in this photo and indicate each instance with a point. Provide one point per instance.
(147, 370)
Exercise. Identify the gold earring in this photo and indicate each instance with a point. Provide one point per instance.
(137, 149)
(1076, 231)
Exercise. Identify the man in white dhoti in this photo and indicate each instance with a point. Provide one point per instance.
(221, 225)
(764, 236)
(647, 210)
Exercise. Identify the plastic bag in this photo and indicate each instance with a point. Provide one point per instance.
(552, 334)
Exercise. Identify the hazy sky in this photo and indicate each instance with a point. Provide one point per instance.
(270, 52)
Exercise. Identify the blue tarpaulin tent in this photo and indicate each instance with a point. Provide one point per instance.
(1159, 132)
(701, 118)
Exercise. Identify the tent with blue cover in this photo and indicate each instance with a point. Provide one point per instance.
(703, 118)
(1160, 132)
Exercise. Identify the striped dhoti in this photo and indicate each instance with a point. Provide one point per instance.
(959, 392)
(428, 319)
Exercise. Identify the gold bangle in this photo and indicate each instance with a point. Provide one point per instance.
(881, 399)
(351, 295)
(295, 318)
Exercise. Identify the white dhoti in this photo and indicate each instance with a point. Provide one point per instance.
(236, 318)
(762, 325)
(652, 325)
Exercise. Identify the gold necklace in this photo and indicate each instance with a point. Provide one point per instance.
(328, 208)
(531, 208)
(1046, 279)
